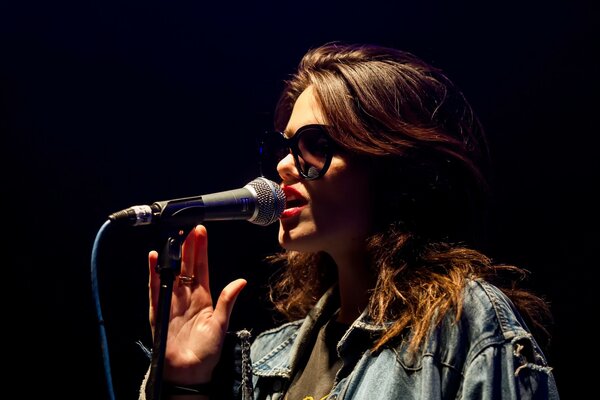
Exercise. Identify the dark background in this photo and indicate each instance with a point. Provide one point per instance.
(107, 104)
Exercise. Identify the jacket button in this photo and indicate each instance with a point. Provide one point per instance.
(277, 385)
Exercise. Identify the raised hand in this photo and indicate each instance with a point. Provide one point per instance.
(196, 328)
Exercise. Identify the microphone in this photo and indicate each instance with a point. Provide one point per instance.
(261, 202)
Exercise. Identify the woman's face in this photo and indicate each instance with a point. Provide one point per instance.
(332, 213)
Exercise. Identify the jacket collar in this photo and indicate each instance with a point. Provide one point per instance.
(297, 338)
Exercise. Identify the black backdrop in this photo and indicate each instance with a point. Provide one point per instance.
(107, 104)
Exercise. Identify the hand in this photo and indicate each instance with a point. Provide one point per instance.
(196, 328)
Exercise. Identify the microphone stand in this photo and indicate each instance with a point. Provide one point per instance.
(169, 266)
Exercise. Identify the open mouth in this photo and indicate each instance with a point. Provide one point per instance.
(295, 203)
(293, 198)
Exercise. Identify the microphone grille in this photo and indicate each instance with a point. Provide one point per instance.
(270, 201)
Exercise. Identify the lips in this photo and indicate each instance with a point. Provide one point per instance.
(294, 201)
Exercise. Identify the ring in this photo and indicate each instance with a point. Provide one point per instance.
(186, 280)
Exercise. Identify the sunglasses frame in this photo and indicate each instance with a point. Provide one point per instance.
(292, 145)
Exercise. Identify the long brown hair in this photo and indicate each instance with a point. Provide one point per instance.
(426, 150)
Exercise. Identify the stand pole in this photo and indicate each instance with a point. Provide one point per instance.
(169, 266)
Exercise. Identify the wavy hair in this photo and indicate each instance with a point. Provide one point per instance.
(428, 158)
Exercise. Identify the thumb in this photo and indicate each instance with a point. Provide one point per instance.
(227, 300)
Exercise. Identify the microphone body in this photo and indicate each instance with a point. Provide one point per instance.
(261, 202)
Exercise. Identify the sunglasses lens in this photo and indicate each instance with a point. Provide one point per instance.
(273, 148)
(314, 149)
(311, 147)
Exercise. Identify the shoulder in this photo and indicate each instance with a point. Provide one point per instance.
(496, 339)
(487, 309)
(475, 346)
(487, 319)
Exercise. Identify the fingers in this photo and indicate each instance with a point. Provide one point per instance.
(194, 257)
(227, 300)
(194, 262)
(153, 283)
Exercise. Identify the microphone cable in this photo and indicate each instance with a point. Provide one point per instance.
(101, 327)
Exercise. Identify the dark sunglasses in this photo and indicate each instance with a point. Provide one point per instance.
(311, 147)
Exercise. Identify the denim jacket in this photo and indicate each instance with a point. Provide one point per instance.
(487, 354)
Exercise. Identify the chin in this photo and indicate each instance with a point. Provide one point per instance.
(298, 240)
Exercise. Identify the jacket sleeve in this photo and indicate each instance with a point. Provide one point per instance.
(511, 370)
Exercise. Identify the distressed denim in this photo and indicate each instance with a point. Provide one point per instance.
(487, 354)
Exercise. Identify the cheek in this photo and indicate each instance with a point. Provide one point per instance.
(345, 204)
(342, 208)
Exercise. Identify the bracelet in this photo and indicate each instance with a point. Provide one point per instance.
(171, 389)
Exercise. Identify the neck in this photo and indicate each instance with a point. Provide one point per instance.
(355, 284)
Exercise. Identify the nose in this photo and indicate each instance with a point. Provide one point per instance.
(286, 168)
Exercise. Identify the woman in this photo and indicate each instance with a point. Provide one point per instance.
(386, 296)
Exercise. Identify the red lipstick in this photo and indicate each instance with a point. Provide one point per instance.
(294, 202)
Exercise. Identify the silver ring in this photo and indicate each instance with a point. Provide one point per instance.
(186, 280)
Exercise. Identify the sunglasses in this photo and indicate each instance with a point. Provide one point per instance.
(311, 147)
